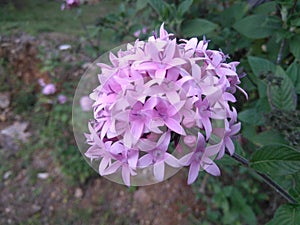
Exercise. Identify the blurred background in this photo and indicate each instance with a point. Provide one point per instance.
(45, 49)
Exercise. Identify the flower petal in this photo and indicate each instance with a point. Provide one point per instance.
(112, 168)
(103, 164)
(164, 141)
(213, 170)
(186, 160)
(145, 161)
(193, 172)
(175, 126)
(126, 175)
(229, 145)
(136, 130)
(159, 170)
(171, 160)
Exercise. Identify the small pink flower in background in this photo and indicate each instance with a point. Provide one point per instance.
(62, 99)
(154, 93)
(144, 30)
(86, 103)
(49, 89)
(69, 4)
(41, 82)
(137, 33)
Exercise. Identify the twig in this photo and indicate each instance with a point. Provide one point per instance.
(293, 7)
(282, 45)
(280, 52)
(265, 178)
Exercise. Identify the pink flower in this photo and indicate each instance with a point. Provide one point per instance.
(86, 103)
(200, 158)
(49, 89)
(168, 114)
(154, 93)
(158, 156)
(70, 3)
(41, 82)
(62, 99)
(137, 33)
(126, 159)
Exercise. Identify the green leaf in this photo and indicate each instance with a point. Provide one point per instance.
(295, 187)
(265, 8)
(140, 4)
(269, 137)
(240, 205)
(233, 13)
(295, 47)
(251, 116)
(262, 106)
(184, 7)
(276, 160)
(249, 131)
(284, 96)
(287, 214)
(296, 22)
(293, 72)
(159, 6)
(197, 27)
(261, 66)
(257, 26)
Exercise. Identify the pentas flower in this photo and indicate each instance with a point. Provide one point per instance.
(62, 99)
(68, 4)
(86, 103)
(137, 33)
(153, 94)
(157, 156)
(200, 158)
(49, 89)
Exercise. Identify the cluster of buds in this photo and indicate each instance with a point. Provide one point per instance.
(160, 102)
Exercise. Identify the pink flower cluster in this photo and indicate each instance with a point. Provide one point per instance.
(161, 103)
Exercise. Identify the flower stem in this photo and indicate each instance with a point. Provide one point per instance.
(265, 178)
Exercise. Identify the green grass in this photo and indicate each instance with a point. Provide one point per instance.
(38, 16)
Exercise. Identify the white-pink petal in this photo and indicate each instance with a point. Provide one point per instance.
(145, 161)
(159, 170)
(175, 126)
(193, 172)
(171, 160)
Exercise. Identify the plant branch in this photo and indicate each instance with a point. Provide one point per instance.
(293, 7)
(265, 178)
(280, 52)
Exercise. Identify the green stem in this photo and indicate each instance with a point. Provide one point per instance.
(265, 178)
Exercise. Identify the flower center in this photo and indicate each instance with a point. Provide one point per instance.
(157, 155)
(198, 156)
